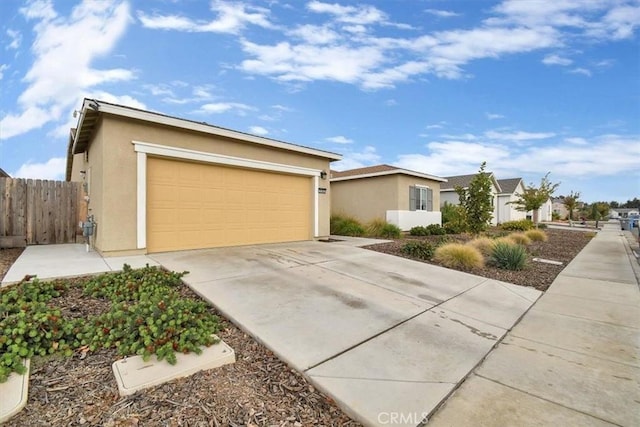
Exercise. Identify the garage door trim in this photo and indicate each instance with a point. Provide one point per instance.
(145, 148)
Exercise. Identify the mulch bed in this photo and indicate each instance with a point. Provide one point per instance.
(7, 258)
(257, 390)
(563, 246)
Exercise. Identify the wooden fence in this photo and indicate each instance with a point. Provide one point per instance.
(39, 212)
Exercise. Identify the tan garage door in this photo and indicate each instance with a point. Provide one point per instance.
(194, 205)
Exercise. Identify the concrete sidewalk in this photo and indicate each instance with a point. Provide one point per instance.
(574, 359)
(56, 261)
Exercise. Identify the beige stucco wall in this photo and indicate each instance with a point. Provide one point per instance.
(113, 165)
(370, 198)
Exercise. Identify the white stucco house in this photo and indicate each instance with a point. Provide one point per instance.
(448, 191)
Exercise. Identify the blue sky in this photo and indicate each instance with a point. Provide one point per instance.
(435, 86)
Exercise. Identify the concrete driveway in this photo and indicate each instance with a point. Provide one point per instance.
(387, 338)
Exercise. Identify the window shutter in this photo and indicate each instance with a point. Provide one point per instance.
(429, 199)
(412, 198)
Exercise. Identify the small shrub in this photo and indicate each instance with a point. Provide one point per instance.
(429, 230)
(381, 228)
(519, 238)
(419, 249)
(483, 244)
(452, 228)
(435, 230)
(391, 231)
(542, 225)
(453, 218)
(459, 256)
(343, 225)
(536, 235)
(520, 225)
(508, 256)
(418, 230)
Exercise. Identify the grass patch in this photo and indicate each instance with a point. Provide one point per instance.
(483, 244)
(508, 256)
(382, 228)
(536, 235)
(459, 256)
(343, 225)
(520, 239)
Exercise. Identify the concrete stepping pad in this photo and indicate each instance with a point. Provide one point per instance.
(134, 374)
(14, 393)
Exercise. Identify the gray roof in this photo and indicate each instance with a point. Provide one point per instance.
(378, 170)
(509, 185)
(464, 181)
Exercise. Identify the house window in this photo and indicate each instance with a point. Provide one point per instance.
(420, 198)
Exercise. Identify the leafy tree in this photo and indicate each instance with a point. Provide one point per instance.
(453, 216)
(477, 201)
(534, 197)
(635, 203)
(571, 202)
(598, 211)
(614, 204)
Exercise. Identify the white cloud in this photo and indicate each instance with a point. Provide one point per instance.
(53, 169)
(439, 125)
(315, 34)
(16, 39)
(441, 13)
(357, 159)
(607, 155)
(580, 70)
(494, 116)
(258, 130)
(518, 136)
(576, 141)
(340, 139)
(461, 137)
(223, 107)
(3, 68)
(358, 15)
(64, 49)
(556, 60)
(231, 17)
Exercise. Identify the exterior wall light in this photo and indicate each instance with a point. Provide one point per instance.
(323, 175)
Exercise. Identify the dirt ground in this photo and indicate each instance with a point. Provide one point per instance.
(563, 246)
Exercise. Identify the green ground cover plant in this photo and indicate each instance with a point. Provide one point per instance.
(146, 316)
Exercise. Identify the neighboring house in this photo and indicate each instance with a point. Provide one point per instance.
(623, 212)
(402, 197)
(3, 174)
(159, 183)
(509, 191)
(558, 207)
(448, 191)
(545, 213)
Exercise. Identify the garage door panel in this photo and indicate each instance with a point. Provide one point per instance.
(192, 205)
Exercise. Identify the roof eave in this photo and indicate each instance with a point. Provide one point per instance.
(391, 172)
(117, 110)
